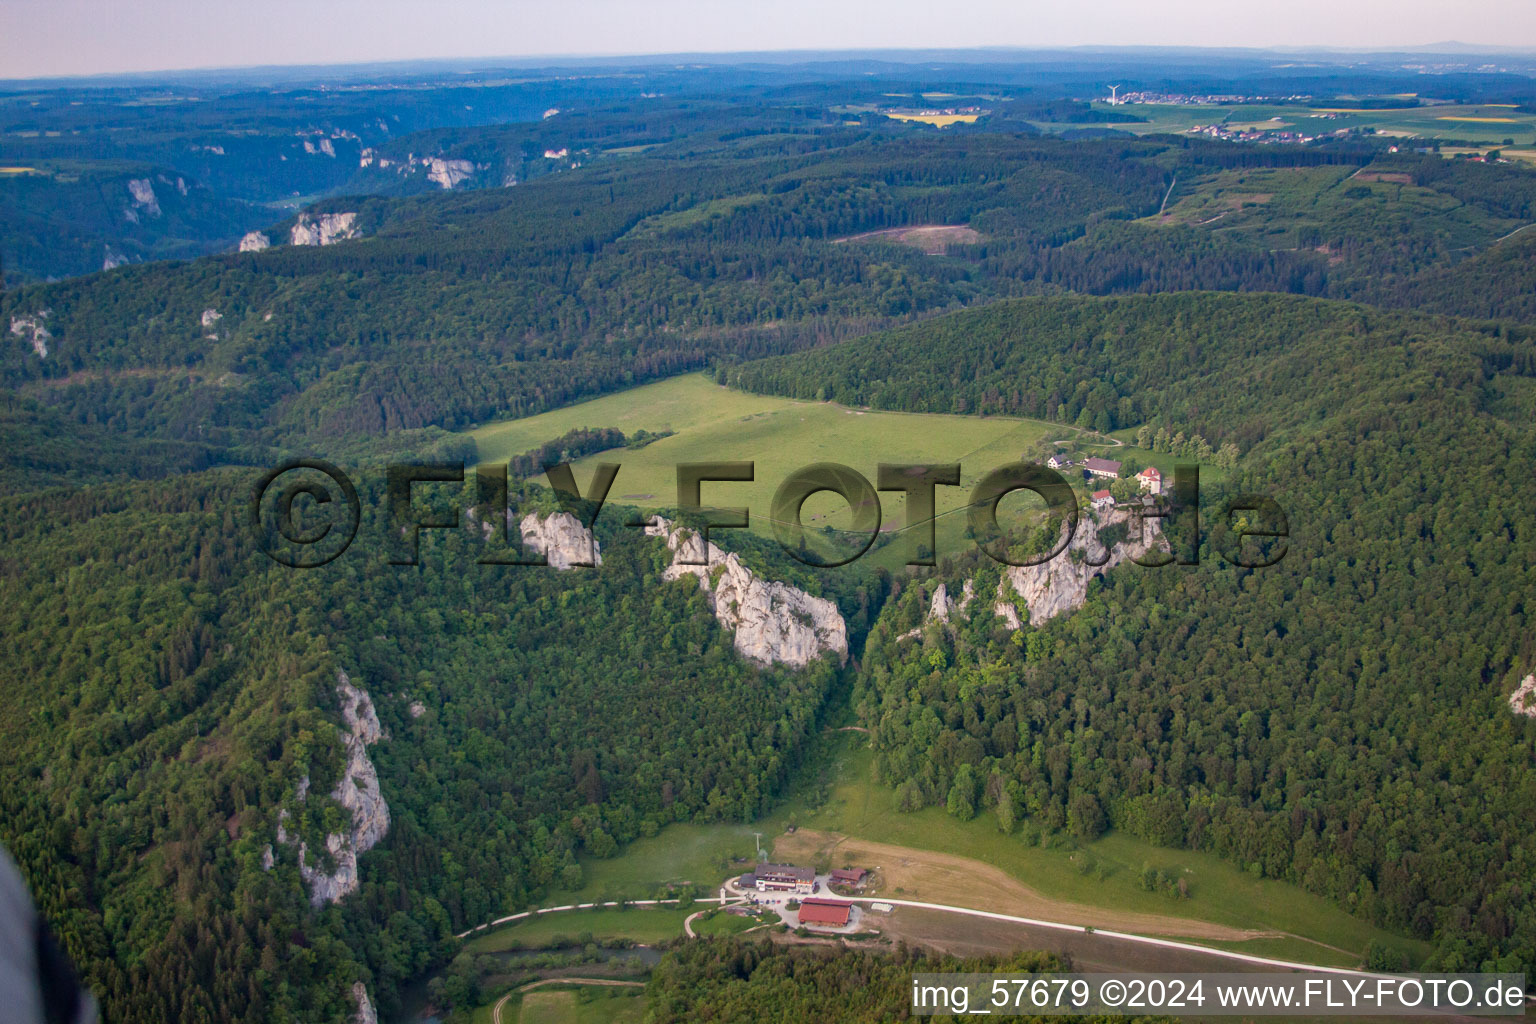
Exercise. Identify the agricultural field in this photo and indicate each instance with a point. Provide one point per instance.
(1489, 124)
(714, 423)
(937, 120)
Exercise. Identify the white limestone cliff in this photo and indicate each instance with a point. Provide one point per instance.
(31, 329)
(772, 622)
(561, 539)
(358, 792)
(1061, 584)
(142, 191)
(254, 241)
(1523, 700)
(941, 607)
(448, 173)
(211, 316)
(323, 228)
(365, 1012)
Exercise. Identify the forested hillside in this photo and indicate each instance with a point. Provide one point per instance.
(1339, 719)
(170, 687)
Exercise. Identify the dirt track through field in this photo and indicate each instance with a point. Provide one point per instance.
(964, 882)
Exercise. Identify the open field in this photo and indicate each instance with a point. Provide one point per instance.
(937, 120)
(1097, 880)
(1490, 123)
(1100, 874)
(647, 925)
(933, 239)
(569, 1004)
(714, 423)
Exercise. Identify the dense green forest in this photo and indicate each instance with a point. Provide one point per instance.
(170, 687)
(748, 982)
(1338, 719)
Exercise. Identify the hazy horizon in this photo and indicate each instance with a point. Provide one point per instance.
(87, 37)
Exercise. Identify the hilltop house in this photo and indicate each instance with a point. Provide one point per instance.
(1107, 468)
(1150, 480)
(1103, 499)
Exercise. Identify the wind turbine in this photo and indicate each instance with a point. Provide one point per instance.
(1114, 100)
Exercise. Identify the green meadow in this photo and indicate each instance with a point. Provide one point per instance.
(844, 798)
(712, 423)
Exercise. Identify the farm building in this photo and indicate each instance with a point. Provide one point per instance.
(784, 878)
(1102, 467)
(827, 913)
(1059, 461)
(849, 876)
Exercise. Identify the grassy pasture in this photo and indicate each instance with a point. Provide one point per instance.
(647, 925)
(713, 423)
(1102, 874)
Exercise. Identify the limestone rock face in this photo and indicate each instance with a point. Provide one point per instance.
(561, 539)
(254, 241)
(31, 329)
(773, 623)
(1061, 584)
(211, 317)
(142, 192)
(1523, 700)
(358, 792)
(365, 1013)
(448, 173)
(323, 228)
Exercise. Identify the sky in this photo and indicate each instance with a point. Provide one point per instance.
(68, 37)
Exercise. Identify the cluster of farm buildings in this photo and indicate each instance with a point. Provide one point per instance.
(801, 882)
(1150, 480)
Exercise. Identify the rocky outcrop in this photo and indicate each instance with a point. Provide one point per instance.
(254, 241)
(323, 228)
(211, 316)
(772, 622)
(561, 539)
(365, 1013)
(323, 146)
(1061, 584)
(1523, 700)
(358, 792)
(448, 173)
(941, 607)
(31, 329)
(142, 192)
